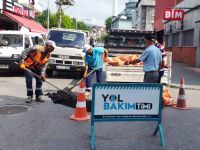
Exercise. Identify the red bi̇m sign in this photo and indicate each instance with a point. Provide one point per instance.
(176, 14)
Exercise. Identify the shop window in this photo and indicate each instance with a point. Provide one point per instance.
(188, 37)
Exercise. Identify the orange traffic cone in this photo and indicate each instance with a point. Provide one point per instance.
(80, 113)
(181, 102)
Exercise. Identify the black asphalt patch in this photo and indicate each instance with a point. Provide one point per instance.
(67, 98)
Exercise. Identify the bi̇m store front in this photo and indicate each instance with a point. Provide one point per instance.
(183, 37)
(14, 16)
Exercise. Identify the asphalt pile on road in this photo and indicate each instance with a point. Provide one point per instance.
(67, 98)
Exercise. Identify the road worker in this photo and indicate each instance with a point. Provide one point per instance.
(151, 57)
(35, 59)
(94, 62)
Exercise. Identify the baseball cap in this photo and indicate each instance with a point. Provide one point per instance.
(86, 47)
(150, 37)
(50, 43)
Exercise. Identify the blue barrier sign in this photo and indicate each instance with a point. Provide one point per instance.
(127, 102)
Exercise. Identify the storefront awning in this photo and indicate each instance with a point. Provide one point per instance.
(32, 25)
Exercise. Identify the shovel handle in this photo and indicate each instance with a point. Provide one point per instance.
(41, 79)
(82, 79)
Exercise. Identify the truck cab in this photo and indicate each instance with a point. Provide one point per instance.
(12, 43)
(68, 55)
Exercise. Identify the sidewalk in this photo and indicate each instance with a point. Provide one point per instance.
(190, 74)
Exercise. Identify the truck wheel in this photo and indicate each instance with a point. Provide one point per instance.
(49, 73)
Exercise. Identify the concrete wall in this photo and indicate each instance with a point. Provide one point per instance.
(150, 13)
(148, 2)
(145, 15)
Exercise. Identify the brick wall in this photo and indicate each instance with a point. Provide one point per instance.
(186, 55)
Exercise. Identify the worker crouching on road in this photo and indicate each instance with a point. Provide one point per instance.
(35, 59)
(151, 58)
(94, 62)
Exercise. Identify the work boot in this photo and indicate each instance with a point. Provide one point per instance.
(39, 99)
(29, 99)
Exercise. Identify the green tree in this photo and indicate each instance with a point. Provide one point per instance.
(53, 20)
(42, 18)
(108, 23)
(104, 37)
(67, 22)
(82, 26)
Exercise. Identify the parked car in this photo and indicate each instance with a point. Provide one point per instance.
(12, 43)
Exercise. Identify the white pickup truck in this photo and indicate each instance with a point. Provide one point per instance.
(68, 55)
(129, 43)
(12, 43)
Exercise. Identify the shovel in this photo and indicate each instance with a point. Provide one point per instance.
(41, 79)
(69, 89)
(81, 79)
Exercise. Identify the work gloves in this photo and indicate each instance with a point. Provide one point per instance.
(22, 66)
(43, 78)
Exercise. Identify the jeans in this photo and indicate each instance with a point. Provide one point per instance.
(151, 77)
(29, 87)
(161, 73)
(99, 78)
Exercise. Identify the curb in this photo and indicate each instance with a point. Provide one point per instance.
(176, 86)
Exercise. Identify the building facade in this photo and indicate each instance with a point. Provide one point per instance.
(96, 32)
(124, 18)
(158, 19)
(145, 13)
(33, 4)
(183, 37)
(15, 16)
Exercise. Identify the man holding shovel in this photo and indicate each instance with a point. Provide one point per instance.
(34, 59)
(94, 64)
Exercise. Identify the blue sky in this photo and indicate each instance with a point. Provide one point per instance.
(89, 11)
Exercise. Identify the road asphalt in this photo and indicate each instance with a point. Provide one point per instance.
(47, 126)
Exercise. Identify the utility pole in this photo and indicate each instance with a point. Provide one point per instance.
(60, 15)
(75, 23)
(59, 4)
(48, 16)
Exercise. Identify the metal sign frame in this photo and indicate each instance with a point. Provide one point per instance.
(124, 86)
